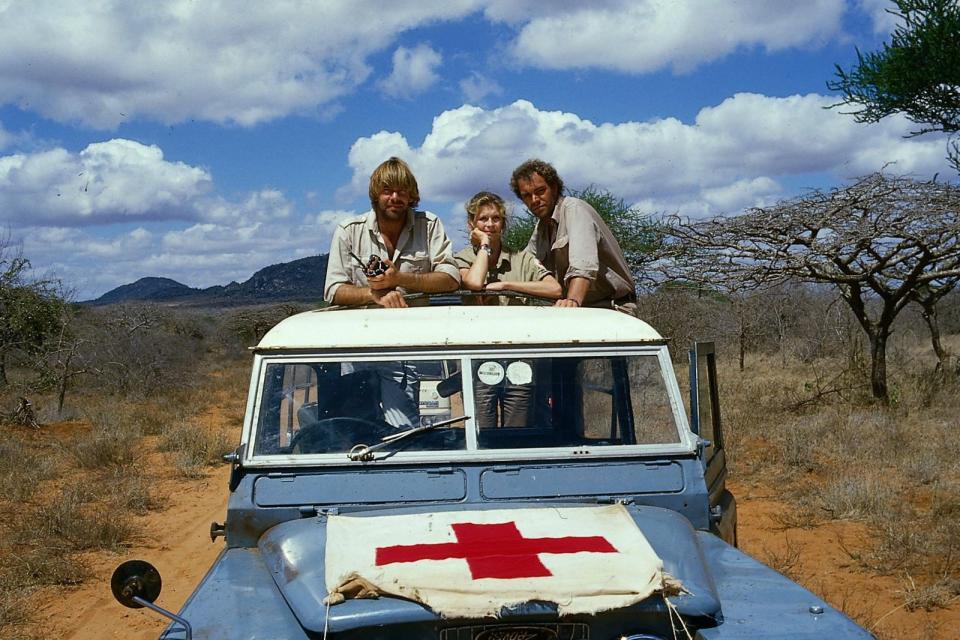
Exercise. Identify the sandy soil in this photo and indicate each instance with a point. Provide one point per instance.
(816, 558)
(176, 541)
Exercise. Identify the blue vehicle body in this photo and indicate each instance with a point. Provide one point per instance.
(269, 581)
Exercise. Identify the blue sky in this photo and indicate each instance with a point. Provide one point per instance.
(202, 140)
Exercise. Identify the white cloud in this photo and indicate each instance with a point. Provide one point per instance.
(476, 87)
(414, 71)
(883, 21)
(8, 138)
(733, 155)
(644, 36)
(326, 221)
(201, 255)
(112, 181)
(100, 63)
(261, 206)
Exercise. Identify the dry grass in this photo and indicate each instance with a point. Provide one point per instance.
(940, 593)
(840, 455)
(788, 562)
(22, 469)
(195, 448)
(113, 440)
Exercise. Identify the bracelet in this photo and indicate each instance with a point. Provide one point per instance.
(486, 247)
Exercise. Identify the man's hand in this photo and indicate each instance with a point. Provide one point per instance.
(566, 302)
(390, 299)
(387, 280)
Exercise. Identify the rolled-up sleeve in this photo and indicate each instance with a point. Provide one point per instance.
(441, 251)
(583, 242)
(337, 269)
(531, 268)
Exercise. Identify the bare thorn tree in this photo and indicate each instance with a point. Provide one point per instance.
(883, 242)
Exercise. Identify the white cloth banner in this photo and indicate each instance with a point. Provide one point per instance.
(473, 563)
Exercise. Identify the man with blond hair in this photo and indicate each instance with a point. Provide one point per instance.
(377, 257)
(573, 241)
(412, 245)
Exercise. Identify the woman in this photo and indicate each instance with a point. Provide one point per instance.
(486, 266)
(503, 389)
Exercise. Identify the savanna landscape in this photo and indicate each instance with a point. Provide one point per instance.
(857, 499)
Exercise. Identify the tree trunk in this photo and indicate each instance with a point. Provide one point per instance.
(61, 393)
(3, 371)
(930, 317)
(742, 331)
(62, 386)
(878, 364)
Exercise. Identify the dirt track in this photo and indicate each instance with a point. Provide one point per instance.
(176, 541)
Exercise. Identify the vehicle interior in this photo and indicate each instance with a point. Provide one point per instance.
(513, 403)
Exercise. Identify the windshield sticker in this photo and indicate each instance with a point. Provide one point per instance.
(490, 373)
(519, 372)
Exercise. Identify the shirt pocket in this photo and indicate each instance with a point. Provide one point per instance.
(418, 262)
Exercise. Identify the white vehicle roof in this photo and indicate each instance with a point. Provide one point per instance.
(441, 326)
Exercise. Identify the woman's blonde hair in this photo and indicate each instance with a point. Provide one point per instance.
(481, 200)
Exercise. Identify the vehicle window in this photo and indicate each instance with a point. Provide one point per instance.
(329, 407)
(563, 402)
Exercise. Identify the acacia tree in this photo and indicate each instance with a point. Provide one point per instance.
(881, 241)
(30, 310)
(917, 73)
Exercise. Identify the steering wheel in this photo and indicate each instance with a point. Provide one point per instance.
(336, 435)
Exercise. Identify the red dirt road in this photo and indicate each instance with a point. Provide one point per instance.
(176, 541)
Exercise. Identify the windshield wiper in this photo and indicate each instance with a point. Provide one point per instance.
(365, 452)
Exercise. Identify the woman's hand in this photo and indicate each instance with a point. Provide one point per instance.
(478, 238)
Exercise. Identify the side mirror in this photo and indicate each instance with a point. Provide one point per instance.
(135, 581)
(136, 584)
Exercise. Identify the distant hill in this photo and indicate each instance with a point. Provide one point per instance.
(297, 281)
(156, 289)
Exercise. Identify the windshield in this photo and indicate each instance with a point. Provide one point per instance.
(331, 407)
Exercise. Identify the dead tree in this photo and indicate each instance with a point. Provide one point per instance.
(24, 414)
(881, 241)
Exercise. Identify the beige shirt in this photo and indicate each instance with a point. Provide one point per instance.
(521, 266)
(576, 242)
(422, 247)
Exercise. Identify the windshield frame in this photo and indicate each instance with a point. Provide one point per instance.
(685, 445)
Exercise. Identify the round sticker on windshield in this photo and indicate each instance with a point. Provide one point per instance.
(490, 373)
(519, 373)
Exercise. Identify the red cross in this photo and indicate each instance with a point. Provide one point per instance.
(495, 550)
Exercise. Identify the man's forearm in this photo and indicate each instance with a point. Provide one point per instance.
(433, 282)
(348, 295)
(577, 289)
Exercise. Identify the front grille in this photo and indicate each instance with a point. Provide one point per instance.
(559, 631)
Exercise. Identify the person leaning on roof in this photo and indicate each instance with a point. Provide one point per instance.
(573, 241)
(486, 266)
(413, 245)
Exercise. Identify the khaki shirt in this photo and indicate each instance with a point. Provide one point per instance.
(511, 266)
(576, 242)
(422, 247)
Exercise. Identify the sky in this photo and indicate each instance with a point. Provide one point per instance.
(202, 140)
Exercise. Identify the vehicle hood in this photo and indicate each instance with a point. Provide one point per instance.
(295, 553)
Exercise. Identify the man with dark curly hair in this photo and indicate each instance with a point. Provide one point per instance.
(573, 241)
